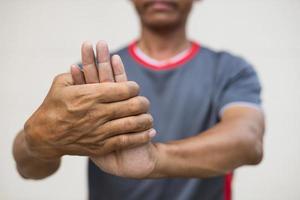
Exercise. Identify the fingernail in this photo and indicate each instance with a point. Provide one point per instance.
(133, 84)
(152, 133)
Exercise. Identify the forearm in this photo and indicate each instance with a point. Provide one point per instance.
(219, 150)
(29, 166)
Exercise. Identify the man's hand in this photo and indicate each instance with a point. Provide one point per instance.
(88, 119)
(138, 162)
(233, 142)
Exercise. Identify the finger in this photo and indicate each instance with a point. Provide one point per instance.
(132, 124)
(130, 140)
(118, 69)
(107, 92)
(133, 106)
(108, 145)
(77, 75)
(125, 141)
(88, 62)
(105, 72)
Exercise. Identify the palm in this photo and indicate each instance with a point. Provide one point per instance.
(137, 162)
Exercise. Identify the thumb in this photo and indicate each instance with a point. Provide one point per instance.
(63, 80)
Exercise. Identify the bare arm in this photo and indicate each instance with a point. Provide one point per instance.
(237, 140)
(85, 120)
(28, 165)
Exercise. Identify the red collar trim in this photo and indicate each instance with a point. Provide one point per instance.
(194, 49)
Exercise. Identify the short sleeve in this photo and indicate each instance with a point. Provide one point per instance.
(237, 84)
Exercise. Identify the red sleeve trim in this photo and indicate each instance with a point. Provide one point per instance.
(194, 49)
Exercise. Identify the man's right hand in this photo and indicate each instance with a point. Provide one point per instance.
(89, 120)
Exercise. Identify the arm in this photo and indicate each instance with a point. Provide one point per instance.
(85, 120)
(28, 165)
(237, 140)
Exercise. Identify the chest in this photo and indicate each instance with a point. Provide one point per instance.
(180, 100)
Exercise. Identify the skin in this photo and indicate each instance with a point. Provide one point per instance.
(119, 162)
(86, 120)
(163, 32)
(235, 141)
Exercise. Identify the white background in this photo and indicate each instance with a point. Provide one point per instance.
(41, 38)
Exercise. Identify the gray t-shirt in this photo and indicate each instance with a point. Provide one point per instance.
(187, 97)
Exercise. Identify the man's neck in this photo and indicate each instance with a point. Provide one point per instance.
(163, 45)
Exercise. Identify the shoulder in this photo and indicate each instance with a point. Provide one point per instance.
(227, 64)
(226, 59)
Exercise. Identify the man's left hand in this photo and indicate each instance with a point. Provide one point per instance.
(138, 162)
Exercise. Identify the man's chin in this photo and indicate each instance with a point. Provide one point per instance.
(162, 24)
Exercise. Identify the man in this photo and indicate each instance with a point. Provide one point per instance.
(206, 107)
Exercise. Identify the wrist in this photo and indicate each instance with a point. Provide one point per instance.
(35, 146)
(29, 166)
(162, 161)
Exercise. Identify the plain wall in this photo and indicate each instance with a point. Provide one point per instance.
(41, 38)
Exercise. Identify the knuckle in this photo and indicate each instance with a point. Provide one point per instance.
(144, 102)
(59, 77)
(102, 92)
(91, 118)
(138, 105)
(133, 88)
(109, 113)
(149, 120)
(130, 124)
(72, 106)
(111, 146)
(145, 122)
(97, 149)
(106, 90)
(122, 91)
(123, 140)
(76, 102)
(145, 138)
